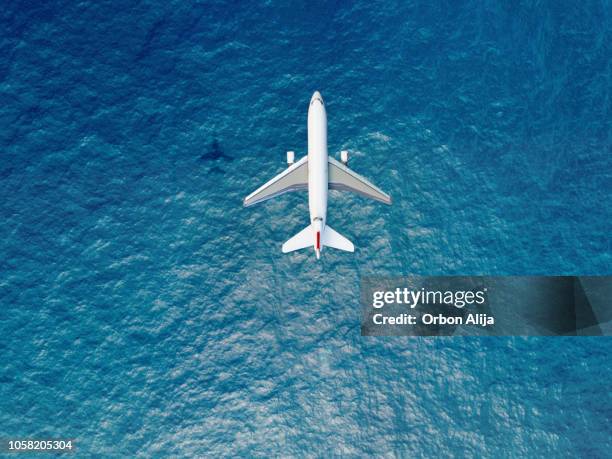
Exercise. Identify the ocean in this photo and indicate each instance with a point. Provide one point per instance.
(146, 313)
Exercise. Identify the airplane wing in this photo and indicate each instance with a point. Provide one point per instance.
(344, 179)
(293, 178)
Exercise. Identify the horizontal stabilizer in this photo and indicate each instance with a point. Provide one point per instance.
(301, 240)
(292, 179)
(344, 179)
(335, 240)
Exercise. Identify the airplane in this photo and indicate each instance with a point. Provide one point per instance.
(317, 173)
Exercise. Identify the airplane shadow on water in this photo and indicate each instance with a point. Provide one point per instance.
(215, 152)
(216, 170)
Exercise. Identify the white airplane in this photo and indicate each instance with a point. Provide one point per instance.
(318, 173)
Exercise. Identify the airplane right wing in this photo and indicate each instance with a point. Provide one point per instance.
(292, 179)
(344, 179)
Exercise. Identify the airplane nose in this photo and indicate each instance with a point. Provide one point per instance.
(316, 96)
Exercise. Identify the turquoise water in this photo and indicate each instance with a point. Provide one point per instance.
(146, 313)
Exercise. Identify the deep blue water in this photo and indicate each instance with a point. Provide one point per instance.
(144, 312)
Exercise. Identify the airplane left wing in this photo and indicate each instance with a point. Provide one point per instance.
(293, 178)
(344, 179)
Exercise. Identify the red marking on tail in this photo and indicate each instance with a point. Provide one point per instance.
(318, 240)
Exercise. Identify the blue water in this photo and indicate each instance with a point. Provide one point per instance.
(145, 313)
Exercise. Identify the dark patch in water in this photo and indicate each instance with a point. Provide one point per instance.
(215, 152)
(216, 170)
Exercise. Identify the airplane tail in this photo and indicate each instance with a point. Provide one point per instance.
(309, 238)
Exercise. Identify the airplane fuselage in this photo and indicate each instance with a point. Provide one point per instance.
(317, 172)
(317, 167)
